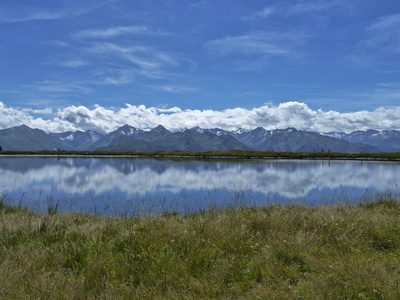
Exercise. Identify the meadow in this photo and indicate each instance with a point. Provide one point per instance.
(343, 251)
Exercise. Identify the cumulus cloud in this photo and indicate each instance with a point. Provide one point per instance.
(290, 114)
(10, 117)
(45, 111)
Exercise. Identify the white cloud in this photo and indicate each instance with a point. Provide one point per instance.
(386, 22)
(46, 111)
(116, 31)
(385, 34)
(318, 6)
(264, 13)
(257, 43)
(10, 117)
(148, 61)
(289, 114)
(116, 76)
(25, 13)
(380, 47)
(174, 89)
(56, 43)
(62, 87)
(30, 16)
(74, 63)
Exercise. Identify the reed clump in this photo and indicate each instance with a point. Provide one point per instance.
(286, 252)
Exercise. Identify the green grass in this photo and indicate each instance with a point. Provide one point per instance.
(283, 252)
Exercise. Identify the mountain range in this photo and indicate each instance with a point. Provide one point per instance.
(385, 140)
(22, 138)
(128, 138)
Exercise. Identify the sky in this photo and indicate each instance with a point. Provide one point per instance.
(99, 64)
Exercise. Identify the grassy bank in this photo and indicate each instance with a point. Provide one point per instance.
(287, 252)
(222, 154)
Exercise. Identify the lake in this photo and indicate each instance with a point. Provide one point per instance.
(138, 186)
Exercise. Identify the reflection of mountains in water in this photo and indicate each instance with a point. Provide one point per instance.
(123, 165)
(145, 176)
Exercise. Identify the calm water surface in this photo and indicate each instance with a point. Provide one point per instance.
(147, 186)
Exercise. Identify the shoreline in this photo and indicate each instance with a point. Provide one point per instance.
(228, 155)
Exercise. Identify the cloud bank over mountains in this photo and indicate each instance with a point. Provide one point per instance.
(289, 114)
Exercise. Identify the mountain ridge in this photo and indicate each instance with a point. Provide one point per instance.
(385, 140)
(21, 138)
(78, 140)
(129, 138)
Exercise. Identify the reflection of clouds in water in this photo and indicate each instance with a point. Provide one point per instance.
(142, 177)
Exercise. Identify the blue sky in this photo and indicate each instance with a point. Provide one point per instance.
(80, 64)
